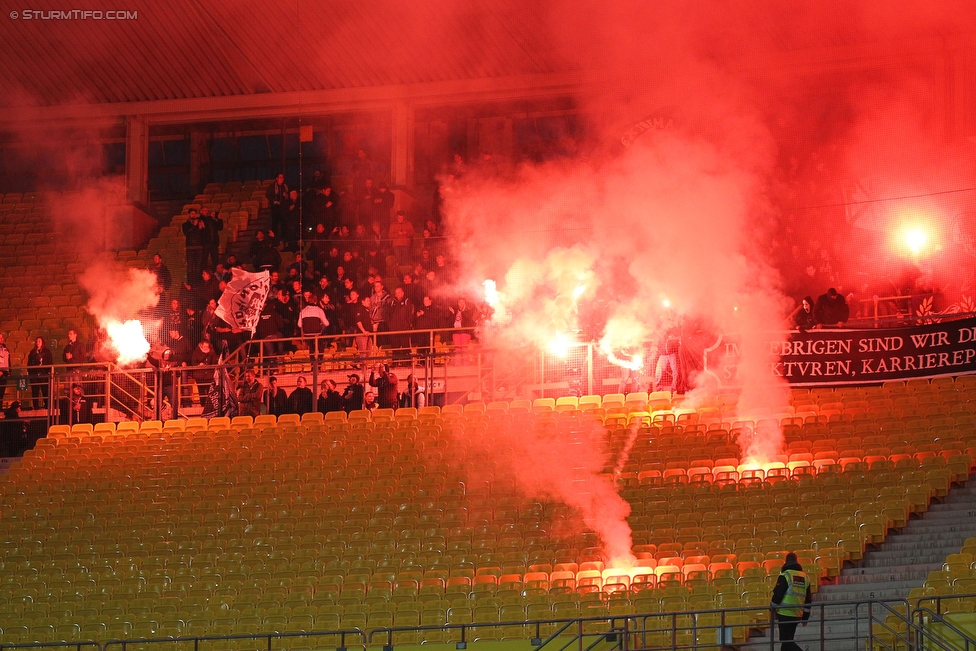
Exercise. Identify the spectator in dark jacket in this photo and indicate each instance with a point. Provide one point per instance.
(195, 232)
(277, 195)
(271, 326)
(250, 395)
(401, 318)
(329, 398)
(276, 399)
(831, 309)
(300, 400)
(429, 316)
(803, 316)
(213, 224)
(209, 287)
(353, 396)
(39, 362)
(163, 277)
(75, 351)
(358, 323)
(387, 390)
(263, 252)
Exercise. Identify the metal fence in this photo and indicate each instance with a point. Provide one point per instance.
(885, 625)
(449, 370)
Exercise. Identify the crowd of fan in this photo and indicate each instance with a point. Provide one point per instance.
(818, 238)
(381, 390)
(337, 287)
(344, 258)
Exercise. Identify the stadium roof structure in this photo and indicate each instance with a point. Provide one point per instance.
(194, 51)
(177, 61)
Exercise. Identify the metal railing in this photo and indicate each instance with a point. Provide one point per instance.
(877, 624)
(900, 316)
(267, 640)
(477, 369)
(937, 601)
(933, 628)
(77, 646)
(448, 373)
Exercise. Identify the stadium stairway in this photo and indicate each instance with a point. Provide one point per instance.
(893, 570)
(244, 238)
(163, 211)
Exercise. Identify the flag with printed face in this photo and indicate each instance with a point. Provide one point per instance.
(241, 303)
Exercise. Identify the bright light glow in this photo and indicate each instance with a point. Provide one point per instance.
(491, 293)
(623, 563)
(128, 340)
(578, 291)
(915, 239)
(559, 345)
(666, 303)
(634, 363)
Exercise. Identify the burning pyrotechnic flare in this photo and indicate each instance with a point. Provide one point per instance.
(623, 332)
(560, 344)
(115, 296)
(916, 239)
(491, 293)
(634, 363)
(128, 341)
(579, 291)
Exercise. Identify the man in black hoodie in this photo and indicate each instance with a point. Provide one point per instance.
(789, 602)
(329, 398)
(352, 397)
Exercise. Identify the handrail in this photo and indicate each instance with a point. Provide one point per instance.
(884, 623)
(619, 624)
(243, 350)
(937, 599)
(41, 645)
(112, 399)
(557, 634)
(492, 373)
(926, 633)
(695, 626)
(242, 636)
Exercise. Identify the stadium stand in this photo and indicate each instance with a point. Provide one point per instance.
(196, 527)
(39, 291)
(190, 528)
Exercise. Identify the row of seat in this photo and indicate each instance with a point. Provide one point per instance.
(39, 280)
(392, 510)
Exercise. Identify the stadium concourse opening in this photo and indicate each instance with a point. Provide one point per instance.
(509, 325)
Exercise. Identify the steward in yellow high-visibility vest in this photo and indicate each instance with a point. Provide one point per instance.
(790, 598)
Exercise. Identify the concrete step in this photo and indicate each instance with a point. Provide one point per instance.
(865, 592)
(893, 560)
(897, 546)
(936, 535)
(950, 507)
(888, 571)
(957, 521)
(888, 574)
(808, 638)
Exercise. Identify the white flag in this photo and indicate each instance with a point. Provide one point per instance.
(241, 303)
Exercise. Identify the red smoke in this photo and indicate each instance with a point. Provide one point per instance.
(553, 457)
(687, 207)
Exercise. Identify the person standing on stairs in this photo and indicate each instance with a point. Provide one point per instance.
(789, 602)
(277, 195)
